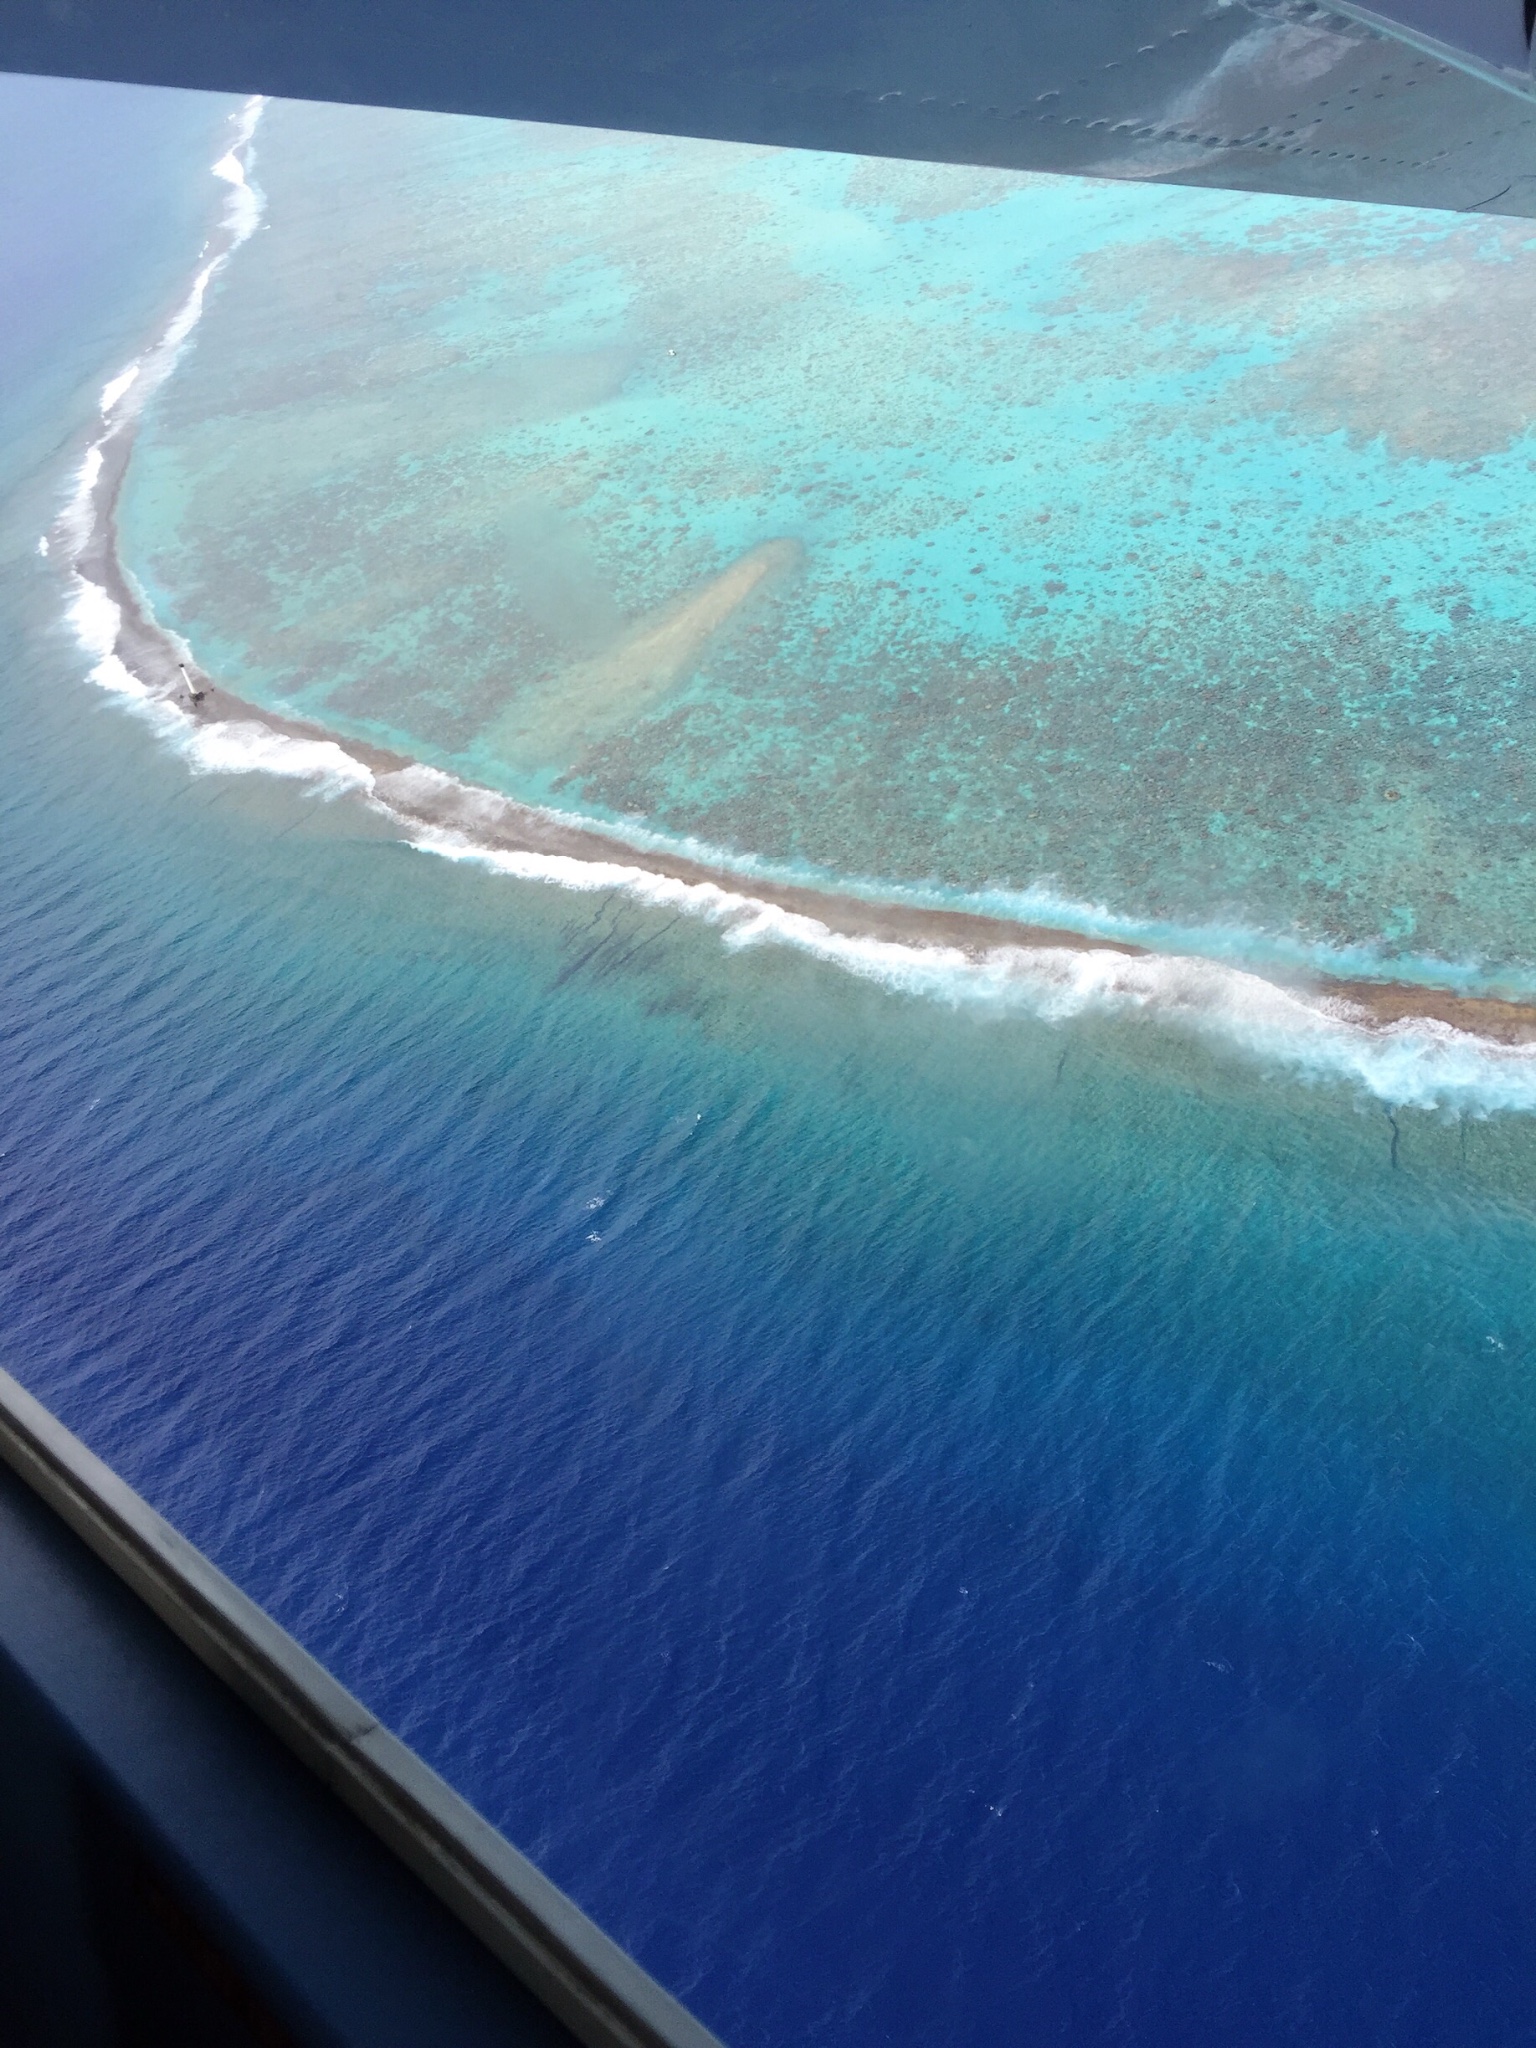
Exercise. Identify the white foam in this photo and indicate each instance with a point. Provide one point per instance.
(246, 747)
(78, 515)
(114, 388)
(479, 813)
(95, 618)
(226, 748)
(244, 208)
(567, 871)
(139, 380)
(182, 323)
(1419, 1062)
(113, 673)
(232, 747)
(248, 116)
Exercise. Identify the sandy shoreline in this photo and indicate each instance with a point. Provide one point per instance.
(501, 824)
(498, 824)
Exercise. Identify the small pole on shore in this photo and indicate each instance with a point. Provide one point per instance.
(193, 691)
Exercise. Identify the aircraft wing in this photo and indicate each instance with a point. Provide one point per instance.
(1431, 107)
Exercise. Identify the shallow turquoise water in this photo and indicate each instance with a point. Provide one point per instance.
(911, 1516)
(937, 1520)
(1153, 549)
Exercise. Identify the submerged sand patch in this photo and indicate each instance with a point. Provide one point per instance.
(549, 723)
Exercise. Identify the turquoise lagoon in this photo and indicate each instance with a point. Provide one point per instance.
(936, 1517)
(1098, 548)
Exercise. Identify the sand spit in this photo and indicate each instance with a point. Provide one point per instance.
(653, 657)
(549, 724)
(418, 797)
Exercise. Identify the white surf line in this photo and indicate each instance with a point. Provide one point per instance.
(230, 747)
(1415, 1063)
(123, 396)
(476, 811)
(1418, 1062)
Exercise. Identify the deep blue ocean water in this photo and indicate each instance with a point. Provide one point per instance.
(933, 1524)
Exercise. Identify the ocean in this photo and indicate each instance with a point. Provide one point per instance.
(980, 1498)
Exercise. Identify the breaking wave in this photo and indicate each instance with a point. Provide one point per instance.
(1419, 1063)
(1200, 981)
